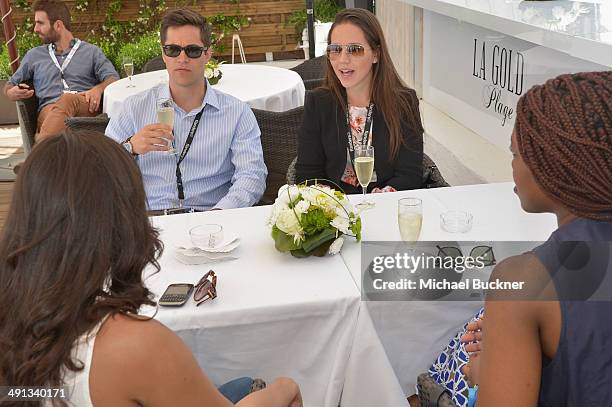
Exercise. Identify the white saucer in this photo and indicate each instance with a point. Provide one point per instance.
(195, 255)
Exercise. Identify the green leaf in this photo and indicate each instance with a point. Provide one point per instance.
(282, 241)
(356, 229)
(315, 241)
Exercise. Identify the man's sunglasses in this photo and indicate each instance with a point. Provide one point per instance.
(206, 288)
(334, 50)
(192, 51)
(484, 252)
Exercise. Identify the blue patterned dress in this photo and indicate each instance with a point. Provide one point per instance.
(446, 370)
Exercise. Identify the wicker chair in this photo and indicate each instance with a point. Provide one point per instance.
(279, 143)
(432, 178)
(291, 176)
(96, 124)
(155, 64)
(27, 113)
(312, 72)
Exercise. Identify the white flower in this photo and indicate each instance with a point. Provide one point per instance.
(287, 193)
(208, 73)
(302, 206)
(216, 72)
(276, 211)
(309, 194)
(336, 245)
(289, 223)
(342, 224)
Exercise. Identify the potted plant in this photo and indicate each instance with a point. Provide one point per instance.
(325, 13)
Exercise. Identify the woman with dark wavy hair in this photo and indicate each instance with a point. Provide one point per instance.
(72, 254)
(363, 102)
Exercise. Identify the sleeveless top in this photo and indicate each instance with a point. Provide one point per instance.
(578, 257)
(77, 383)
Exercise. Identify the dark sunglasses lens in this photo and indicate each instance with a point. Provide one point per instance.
(485, 252)
(172, 51)
(201, 292)
(449, 252)
(355, 50)
(194, 52)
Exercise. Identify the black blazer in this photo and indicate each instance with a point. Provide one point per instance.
(322, 146)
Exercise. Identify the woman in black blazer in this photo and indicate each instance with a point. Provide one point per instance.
(362, 81)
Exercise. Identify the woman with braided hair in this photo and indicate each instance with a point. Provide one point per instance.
(556, 351)
(549, 345)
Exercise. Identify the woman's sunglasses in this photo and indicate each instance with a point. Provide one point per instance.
(192, 51)
(334, 50)
(484, 252)
(206, 288)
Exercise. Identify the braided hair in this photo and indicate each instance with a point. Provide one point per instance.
(564, 135)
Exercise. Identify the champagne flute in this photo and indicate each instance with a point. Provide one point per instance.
(165, 115)
(410, 218)
(128, 67)
(364, 167)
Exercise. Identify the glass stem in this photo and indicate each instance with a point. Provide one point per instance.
(364, 193)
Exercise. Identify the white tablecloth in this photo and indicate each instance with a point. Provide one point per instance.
(275, 315)
(262, 87)
(302, 318)
(413, 333)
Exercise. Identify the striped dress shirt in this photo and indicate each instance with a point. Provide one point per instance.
(224, 167)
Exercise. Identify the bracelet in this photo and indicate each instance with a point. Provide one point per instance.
(472, 393)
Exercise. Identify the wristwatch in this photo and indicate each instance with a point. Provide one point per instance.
(127, 144)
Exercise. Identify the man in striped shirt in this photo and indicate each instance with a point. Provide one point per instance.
(218, 160)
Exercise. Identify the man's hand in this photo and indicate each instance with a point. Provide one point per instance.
(152, 137)
(93, 97)
(19, 92)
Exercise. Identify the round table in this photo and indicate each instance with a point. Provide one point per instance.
(262, 87)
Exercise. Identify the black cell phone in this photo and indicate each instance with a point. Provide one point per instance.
(175, 295)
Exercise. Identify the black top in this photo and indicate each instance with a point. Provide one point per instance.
(578, 257)
(322, 146)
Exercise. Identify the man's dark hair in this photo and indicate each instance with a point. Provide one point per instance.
(55, 9)
(183, 17)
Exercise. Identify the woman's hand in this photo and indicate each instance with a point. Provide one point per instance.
(388, 188)
(473, 337)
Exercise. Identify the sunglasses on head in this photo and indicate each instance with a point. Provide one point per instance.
(206, 288)
(334, 50)
(192, 51)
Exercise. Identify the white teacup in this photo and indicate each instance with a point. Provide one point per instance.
(209, 235)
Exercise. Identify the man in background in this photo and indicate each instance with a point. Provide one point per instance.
(68, 75)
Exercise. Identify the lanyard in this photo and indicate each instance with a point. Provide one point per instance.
(366, 131)
(65, 63)
(186, 147)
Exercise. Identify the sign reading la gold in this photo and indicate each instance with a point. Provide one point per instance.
(506, 75)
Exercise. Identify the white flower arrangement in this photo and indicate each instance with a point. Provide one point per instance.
(213, 71)
(311, 219)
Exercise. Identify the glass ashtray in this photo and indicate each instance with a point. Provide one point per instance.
(456, 221)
